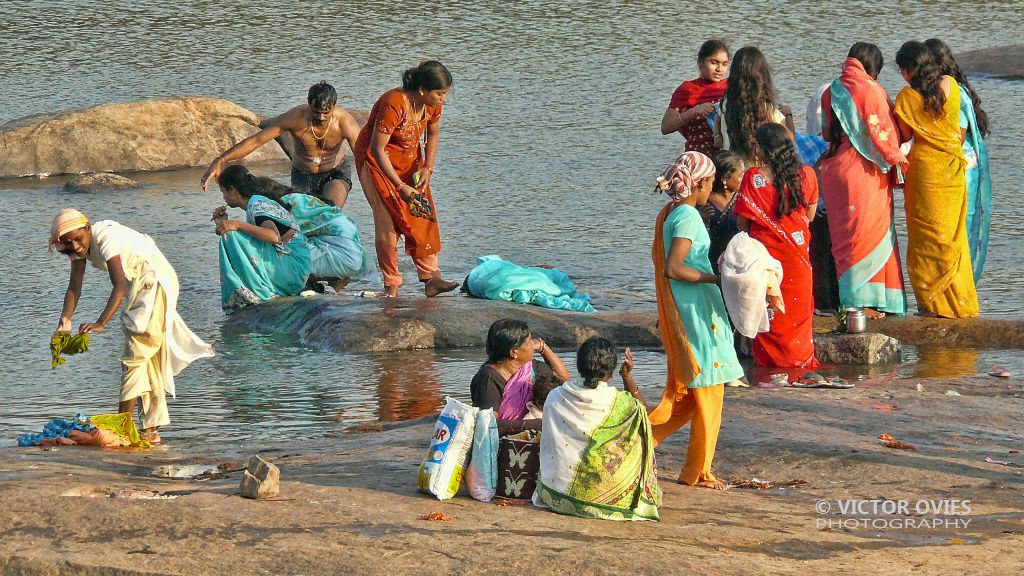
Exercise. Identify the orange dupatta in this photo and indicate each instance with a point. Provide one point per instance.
(682, 366)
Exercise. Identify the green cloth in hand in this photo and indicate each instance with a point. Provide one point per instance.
(66, 344)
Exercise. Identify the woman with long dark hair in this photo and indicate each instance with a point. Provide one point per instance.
(263, 256)
(857, 175)
(748, 103)
(777, 201)
(395, 171)
(979, 182)
(935, 192)
(693, 102)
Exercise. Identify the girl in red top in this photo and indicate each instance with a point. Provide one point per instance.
(694, 100)
(395, 170)
(777, 202)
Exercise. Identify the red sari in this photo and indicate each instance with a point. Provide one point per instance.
(790, 343)
(699, 137)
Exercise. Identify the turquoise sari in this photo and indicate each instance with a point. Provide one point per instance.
(497, 279)
(979, 186)
(253, 271)
(334, 247)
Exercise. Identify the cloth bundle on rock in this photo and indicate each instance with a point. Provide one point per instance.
(597, 455)
(67, 344)
(749, 274)
(103, 430)
(334, 247)
(497, 279)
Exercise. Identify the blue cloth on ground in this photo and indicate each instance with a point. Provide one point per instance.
(497, 279)
(57, 428)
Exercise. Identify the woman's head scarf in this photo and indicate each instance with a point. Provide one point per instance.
(679, 179)
(67, 220)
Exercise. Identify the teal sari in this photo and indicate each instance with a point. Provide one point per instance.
(979, 186)
(253, 271)
(334, 247)
(497, 279)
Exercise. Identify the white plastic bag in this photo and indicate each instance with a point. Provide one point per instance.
(482, 474)
(441, 473)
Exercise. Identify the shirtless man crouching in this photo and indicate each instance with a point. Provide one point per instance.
(319, 128)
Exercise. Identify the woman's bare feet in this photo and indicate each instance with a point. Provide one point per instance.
(872, 314)
(337, 284)
(436, 286)
(926, 314)
(152, 436)
(712, 484)
(390, 292)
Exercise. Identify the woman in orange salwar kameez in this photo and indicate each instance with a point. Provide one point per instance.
(857, 177)
(394, 171)
(777, 202)
(938, 254)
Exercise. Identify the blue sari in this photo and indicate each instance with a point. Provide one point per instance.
(979, 186)
(253, 271)
(334, 247)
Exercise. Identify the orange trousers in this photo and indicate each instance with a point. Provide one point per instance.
(385, 239)
(702, 407)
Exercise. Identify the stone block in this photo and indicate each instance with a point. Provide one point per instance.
(260, 480)
(865, 348)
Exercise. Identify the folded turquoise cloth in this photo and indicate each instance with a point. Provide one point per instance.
(497, 279)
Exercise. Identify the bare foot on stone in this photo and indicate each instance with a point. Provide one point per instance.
(712, 484)
(337, 284)
(873, 314)
(436, 286)
(390, 292)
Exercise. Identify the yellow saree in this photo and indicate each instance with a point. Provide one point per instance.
(935, 194)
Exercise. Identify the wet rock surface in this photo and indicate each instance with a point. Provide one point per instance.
(101, 182)
(348, 324)
(1004, 61)
(123, 137)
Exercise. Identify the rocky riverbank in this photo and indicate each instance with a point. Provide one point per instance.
(348, 503)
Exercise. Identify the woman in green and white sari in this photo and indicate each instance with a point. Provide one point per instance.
(264, 256)
(596, 448)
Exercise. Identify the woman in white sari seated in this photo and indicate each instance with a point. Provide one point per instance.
(597, 451)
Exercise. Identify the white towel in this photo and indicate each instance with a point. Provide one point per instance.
(749, 274)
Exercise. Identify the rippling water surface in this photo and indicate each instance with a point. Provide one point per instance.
(548, 151)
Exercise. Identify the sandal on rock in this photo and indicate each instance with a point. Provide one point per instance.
(810, 380)
(780, 379)
(999, 372)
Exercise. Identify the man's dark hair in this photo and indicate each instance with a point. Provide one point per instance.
(596, 360)
(322, 95)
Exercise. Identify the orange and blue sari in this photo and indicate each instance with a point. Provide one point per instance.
(857, 183)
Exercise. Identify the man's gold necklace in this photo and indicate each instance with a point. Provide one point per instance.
(320, 139)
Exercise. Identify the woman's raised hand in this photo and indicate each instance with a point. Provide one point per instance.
(627, 364)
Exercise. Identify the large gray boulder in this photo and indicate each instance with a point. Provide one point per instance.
(865, 348)
(146, 135)
(356, 325)
(101, 182)
(1004, 61)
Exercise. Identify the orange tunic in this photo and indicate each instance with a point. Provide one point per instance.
(390, 115)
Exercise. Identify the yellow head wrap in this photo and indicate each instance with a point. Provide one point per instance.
(66, 221)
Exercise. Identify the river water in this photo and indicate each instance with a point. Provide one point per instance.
(549, 147)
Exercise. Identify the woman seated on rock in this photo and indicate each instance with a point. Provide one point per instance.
(597, 450)
(505, 382)
(335, 252)
(262, 257)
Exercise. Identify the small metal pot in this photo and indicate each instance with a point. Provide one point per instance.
(856, 321)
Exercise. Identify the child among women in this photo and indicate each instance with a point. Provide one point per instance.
(157, 343)
(935, 192)
(777, 201)
(692, 319)
(692, 107)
